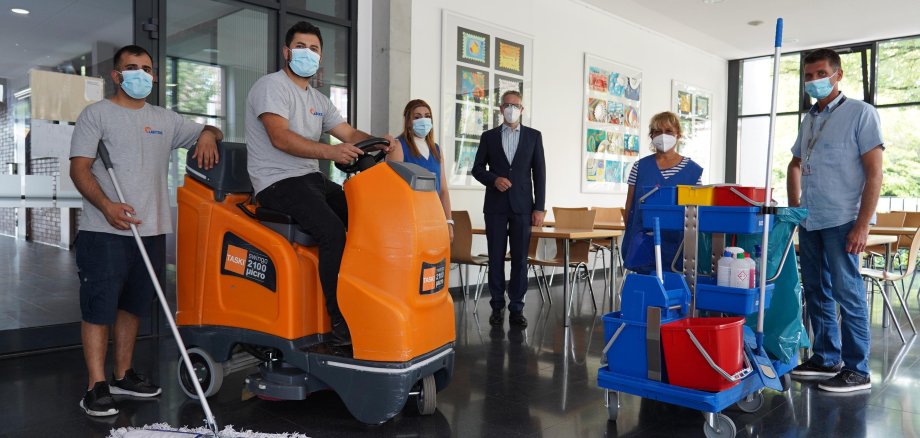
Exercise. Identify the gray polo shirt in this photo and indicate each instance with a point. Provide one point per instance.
(309, 114)
(139, 143)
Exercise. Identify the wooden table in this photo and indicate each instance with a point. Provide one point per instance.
(568, 235)
(597, 226)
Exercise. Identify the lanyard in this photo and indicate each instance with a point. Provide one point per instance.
(813, 139)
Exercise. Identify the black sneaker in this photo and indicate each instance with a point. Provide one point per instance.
(497, 318)
(517, 319)
(846, 381)
(135, 385)
(98, 402)
(811, 369)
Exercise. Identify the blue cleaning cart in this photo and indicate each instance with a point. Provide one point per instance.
(632, 358)
(632, 363)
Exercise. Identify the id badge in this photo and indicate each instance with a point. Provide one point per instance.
(807, 169)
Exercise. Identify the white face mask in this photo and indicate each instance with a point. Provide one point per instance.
(512, 114)
(664, 142)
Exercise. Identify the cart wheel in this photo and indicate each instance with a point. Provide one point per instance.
(786, 381)
(210, 373)
(425, 395)
(752, 405)
(725, 428)
(612, 399)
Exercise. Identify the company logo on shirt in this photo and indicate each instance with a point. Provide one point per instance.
(150, 130)
(316, 113)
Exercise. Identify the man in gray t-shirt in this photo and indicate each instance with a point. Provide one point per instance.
(285, 118)
(115, 287)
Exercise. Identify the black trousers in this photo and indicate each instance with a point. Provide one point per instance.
(318, 205)
(500, 228)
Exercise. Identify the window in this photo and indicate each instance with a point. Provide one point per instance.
(194, 89)
(894, 88)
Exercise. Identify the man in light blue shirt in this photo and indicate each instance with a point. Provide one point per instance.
(837, 170)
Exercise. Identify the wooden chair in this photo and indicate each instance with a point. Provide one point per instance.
(461, 249)
(892, 219)
(912, 219)
(605, 216)
(579, 251)
(553, 272)
(877, 277)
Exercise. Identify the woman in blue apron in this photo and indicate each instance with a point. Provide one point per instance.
(666, 168)
(418, 147)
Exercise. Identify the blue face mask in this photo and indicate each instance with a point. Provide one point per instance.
(304, 62)
(136, 83)
(820, 88)
(421, 127)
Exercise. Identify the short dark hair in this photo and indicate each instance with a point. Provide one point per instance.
(828, 55)
(302, 27)
(130, 49)
(511, 93)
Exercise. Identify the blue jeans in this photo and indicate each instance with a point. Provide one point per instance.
(830, 277)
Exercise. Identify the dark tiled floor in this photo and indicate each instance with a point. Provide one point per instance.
(38, 285)
(541, 381)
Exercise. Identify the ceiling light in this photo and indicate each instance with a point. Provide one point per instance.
(210, 50)
(755, 23)
(20, 11)
(712, 2)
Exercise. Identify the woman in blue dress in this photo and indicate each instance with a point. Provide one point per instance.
(418, 147)
(665, 168)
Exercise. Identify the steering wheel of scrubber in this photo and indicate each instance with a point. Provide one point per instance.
(366, 160)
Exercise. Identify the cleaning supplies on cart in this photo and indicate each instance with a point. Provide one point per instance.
(740, 270)
(752, 270)
(723, 272)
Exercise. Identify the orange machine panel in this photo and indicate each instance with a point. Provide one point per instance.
(393, 281)
(234, 272)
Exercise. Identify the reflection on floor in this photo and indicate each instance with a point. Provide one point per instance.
(508, 383)
(38, 285)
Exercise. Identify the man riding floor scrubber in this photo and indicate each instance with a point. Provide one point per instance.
(249, 292)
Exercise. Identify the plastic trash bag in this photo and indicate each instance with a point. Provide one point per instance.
(784, 332)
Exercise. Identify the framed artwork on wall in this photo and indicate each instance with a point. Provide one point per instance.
(611, 124)
(693, 106)
(472, 47)
(509, 56)
(480, 61)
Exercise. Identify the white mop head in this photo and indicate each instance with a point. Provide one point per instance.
(163, 430)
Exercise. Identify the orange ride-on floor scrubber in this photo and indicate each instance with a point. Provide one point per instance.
(249, 290)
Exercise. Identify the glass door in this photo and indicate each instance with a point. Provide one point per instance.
(46, 55)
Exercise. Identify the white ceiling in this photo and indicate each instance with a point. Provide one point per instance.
(722, 29)
(57, 31)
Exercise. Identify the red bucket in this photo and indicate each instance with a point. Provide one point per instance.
(721, 338)
(733, 196)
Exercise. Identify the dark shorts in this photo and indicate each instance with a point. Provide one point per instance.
(113, 275)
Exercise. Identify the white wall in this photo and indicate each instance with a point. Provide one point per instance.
(563, 30)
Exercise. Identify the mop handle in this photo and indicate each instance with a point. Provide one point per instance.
(658, 250)
(768, 192)
(212, 424)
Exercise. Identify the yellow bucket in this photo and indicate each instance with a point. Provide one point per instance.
(695, 195)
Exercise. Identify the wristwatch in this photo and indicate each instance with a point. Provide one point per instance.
(450, 222)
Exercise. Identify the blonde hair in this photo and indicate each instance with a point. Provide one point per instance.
(665, 118)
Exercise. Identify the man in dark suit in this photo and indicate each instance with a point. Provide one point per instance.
(510, 164)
